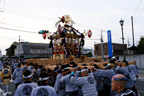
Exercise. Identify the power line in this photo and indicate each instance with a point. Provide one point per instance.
(43, 17)
(38, 16)
(18, 30)
(47, 17)
(141, 10)
(32, 15)
(21, 26)
(137, 7)
(37, 33)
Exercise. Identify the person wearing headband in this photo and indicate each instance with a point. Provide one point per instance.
(130, 74)
(117, 59)
(86, 81)
(77, 72)
(76, 68)
(5, 77)
(39, 69)
(43, 89)
(107, 74)
(119, 85)
(57, 70)
(31, 67)
(84, 72)
(132, 77)
(26, 88)
(18, 74)
(71, 89)
(60, 88)
(134, 74)
(65, 69)
(99, 80)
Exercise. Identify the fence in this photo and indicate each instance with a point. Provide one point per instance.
(139, 58)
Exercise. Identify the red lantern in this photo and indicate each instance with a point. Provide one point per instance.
(63, 19)
(89, 33)
(44, 35)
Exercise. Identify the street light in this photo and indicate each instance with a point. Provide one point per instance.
(121, 23)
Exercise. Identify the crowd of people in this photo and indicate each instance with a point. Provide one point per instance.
(69, 79)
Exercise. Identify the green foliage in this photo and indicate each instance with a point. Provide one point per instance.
(140, 46)
(11, 49)
(89, 54)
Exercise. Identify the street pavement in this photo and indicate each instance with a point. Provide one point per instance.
(139, 86)
(12, 89)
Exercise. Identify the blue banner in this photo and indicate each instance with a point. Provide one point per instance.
(109, 43)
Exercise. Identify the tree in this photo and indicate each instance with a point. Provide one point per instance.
(10, 50)
(140, 46)
(89, 54)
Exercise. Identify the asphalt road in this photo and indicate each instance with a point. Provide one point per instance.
(139, 85)
(11, 88)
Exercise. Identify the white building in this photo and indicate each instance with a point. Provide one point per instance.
(30, 50)
(26, 50)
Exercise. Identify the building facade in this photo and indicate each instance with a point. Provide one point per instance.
(32, 50)
(86, 50)
(117, 49)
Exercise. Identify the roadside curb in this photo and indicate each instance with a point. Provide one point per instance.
(141, 77)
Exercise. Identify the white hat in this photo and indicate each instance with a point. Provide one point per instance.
(113, 57)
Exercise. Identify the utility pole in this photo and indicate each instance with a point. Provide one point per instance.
(101, 39)
(19, 48)
(128, 42)
(133, 35)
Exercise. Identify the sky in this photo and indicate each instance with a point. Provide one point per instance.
(31, 16)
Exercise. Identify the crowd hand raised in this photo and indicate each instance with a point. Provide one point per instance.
(134, 62)
(72, 69)
(104, 63)
(91, 68)
(91, 63)
(81, 67)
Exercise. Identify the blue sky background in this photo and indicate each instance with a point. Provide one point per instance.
(97, 15)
